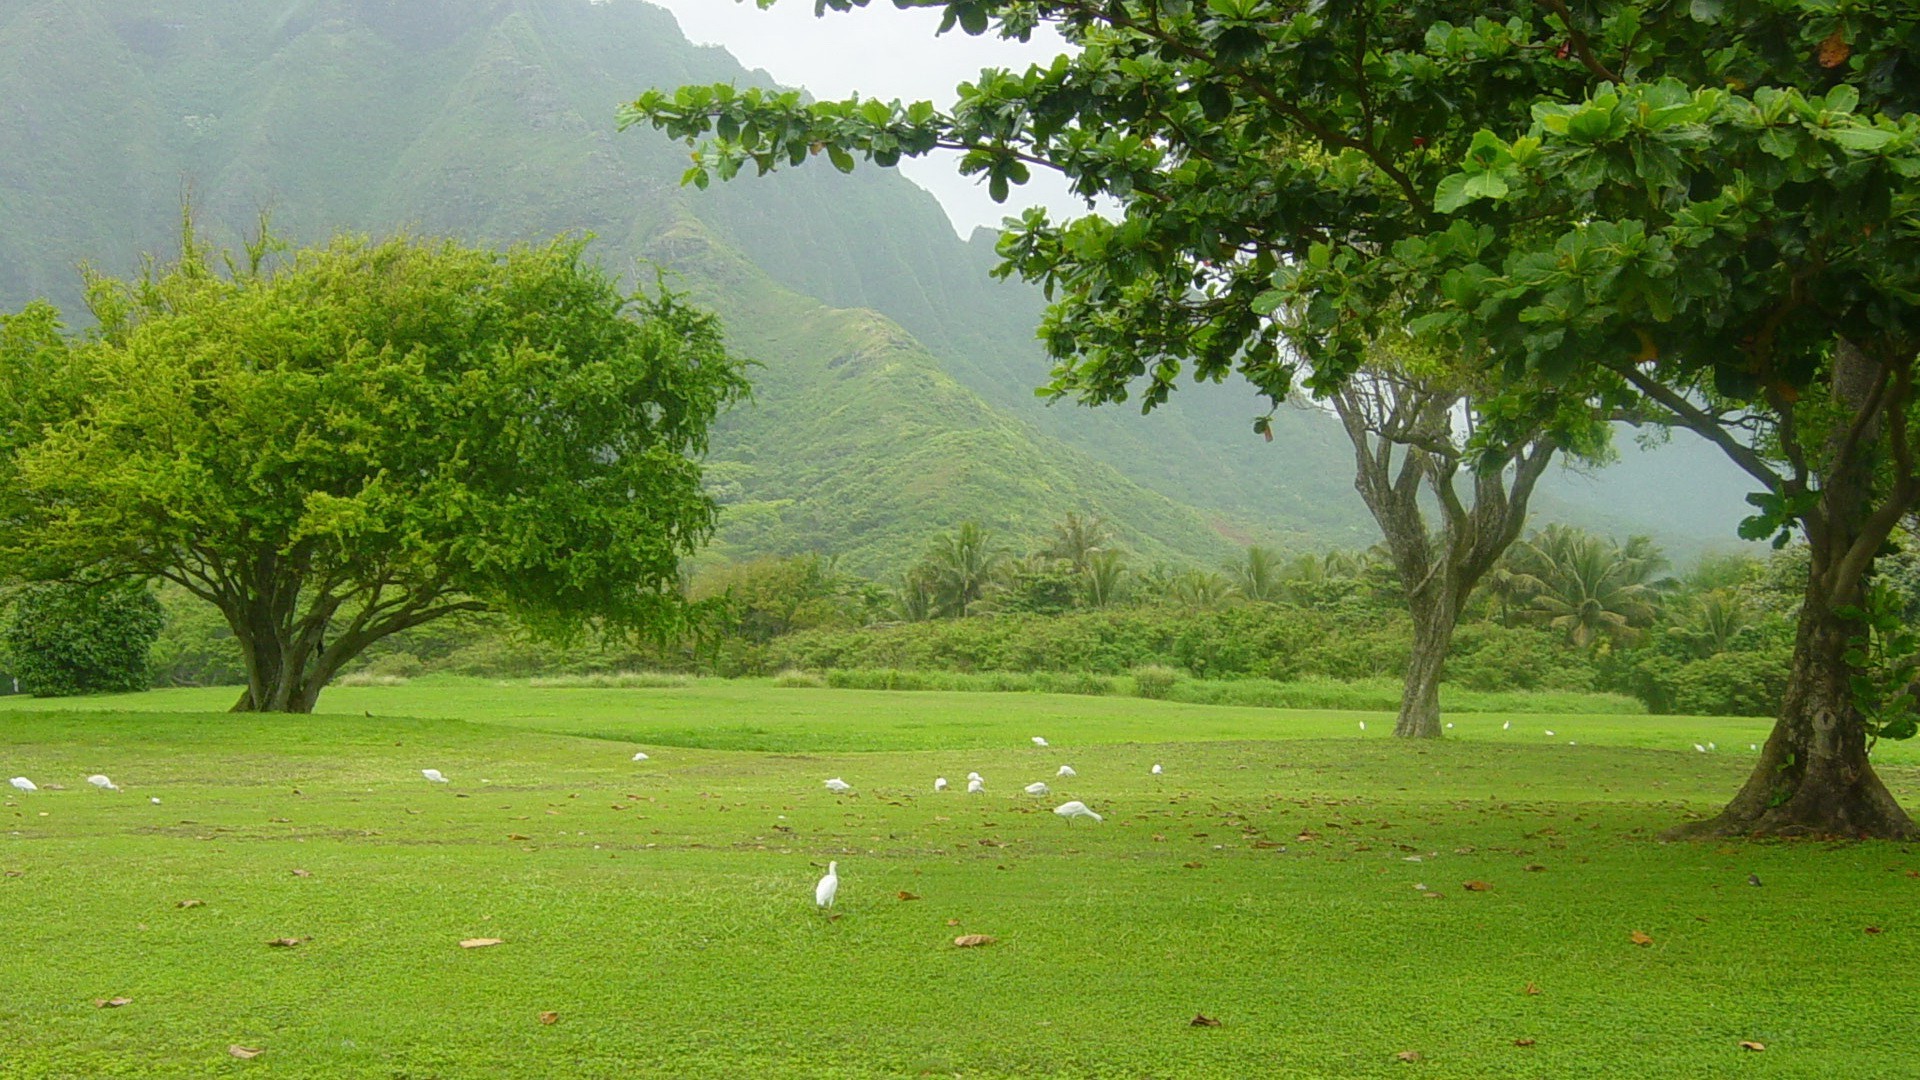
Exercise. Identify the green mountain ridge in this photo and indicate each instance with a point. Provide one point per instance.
(896, 397)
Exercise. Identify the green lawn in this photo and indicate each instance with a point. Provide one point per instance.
(663, 908)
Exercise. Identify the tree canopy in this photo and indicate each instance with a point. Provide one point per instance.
(1703, 215)
(364, 438)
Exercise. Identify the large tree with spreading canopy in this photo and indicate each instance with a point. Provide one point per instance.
(361, 439)
(1700, 213)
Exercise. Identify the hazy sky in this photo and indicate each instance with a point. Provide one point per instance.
(880, 51)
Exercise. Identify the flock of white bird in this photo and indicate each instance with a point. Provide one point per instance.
(829, 886)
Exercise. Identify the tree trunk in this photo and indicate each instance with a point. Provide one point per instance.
(1814, 778)
(1433, 626)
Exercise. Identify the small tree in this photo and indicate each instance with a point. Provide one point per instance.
(61, 639)
(365, 439)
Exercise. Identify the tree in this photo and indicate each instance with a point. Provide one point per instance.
(65, 638)
(961, 566)
(1587, 587)
(364, 438)
(1076, 540)
(1105, 580)
(1701, 213)
(1258, 575)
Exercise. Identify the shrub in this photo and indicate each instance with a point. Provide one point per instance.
(61, 639)
(796, 678)
(1154, 680)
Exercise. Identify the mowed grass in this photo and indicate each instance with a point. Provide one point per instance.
(663, 909)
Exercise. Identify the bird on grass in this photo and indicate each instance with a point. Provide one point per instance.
(1753, 879)
(1038, 788)
(824, 892)
(1549, 733)
(1067, 770)
(1506, 725)
(641, 756)
(939, 783)
(975, 786)
(1700, 748)
(1156, 770)
(837, 785)
(24, 784)
(1040, 742)
(433, 775)
(1075, 809)
(102, 783)
(973, 776)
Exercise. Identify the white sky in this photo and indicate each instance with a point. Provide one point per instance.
(880, 51)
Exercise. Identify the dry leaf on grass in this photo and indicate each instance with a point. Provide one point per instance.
(191, 903)
(1193, 865)
(517, 836)
(953, 922)
(1749, 1044)
(479, 942)
(285, 942)
(1531, 990)
(1639, 937)
(243, 1052)
(111, 1003)
(905, 895)
(1475, 886)
(969, 941)
(1202, 1020)
(549, 1017)
(1408, 1055)
(1874, 930)
(303, 873)
(1533, 868)
(1523, 1042)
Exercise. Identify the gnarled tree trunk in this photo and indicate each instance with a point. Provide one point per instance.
(1433, 625)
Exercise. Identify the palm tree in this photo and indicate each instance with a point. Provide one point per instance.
(1076, 540)
(962, 566)
(1201, 589)
(1588, 587)
(1105, 578)
(1713, 619)
(1258, 575)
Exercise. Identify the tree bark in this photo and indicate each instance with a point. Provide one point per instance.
(1420, 694)
(1814, 777)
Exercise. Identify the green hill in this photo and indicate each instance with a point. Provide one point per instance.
(896, 394)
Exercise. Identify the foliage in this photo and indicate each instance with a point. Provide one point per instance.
(61, 639)
(368, 438)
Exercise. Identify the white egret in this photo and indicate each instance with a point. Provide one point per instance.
(1506, 725)
(975, 786)
(1156, 769)
(102, 782)
(641, 756)
(1449, 725)
(1039, 788)
(939, 783)
(1753, 746)
(1067, 770)
(1700, 748)
(24, 784)
(433, 775)
(823, 893)
(154, 799)
(1040, 742)
(973, 776)
(1549, 733)
(1363, 725)
(1710, 746)
(837, 785)
(1075, 809)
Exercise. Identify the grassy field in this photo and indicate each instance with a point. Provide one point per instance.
(663, 909)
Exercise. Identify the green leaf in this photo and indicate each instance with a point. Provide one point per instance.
(1267, 302)
(1861, 138)
(840, 158)
(1451, 194)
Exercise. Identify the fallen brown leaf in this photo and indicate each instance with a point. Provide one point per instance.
(243, 1052)
(1640, 938)
(191, 903)
(549, 1017)
(303, 873)
(1475, 886)
(905, 895)
(517, 836)
(284, 942)
(1534, 868)
(953, 922)
(1202, 1020)
(1749, 1044)
(1408, 1055)
(969, 941)
(1193, 865)
(1532, 989)
(111, 1003)
(1873, 930)
(1523, 1042)
(479, 942)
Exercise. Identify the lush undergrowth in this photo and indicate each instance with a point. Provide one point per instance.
(1298, 881)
